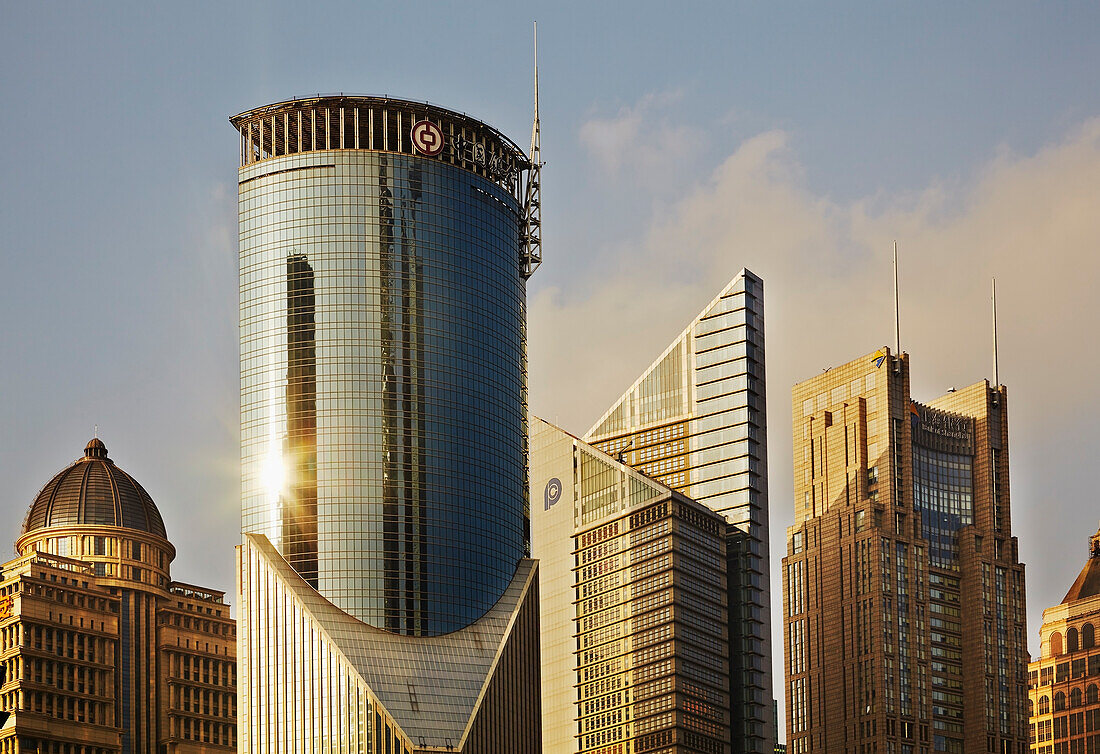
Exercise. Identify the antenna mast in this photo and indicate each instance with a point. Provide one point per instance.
(897, 308)
(532, 199)
(996, 373)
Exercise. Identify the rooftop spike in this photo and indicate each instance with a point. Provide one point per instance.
(897, 305)
(996, 366)
(532, 199)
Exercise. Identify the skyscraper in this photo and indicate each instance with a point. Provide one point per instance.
(635, 646)
(904, 605)
(1064, 681)
(696, 421)
(384, 250)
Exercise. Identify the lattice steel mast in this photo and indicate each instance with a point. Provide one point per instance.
(532, 199)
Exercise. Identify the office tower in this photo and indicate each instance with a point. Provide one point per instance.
(101, 652)
(384, 249)
(635, 649)
(696, 421)
(1064, 683)
(904, 610)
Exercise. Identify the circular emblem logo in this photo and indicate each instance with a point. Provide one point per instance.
(552, 493)
(427, 138)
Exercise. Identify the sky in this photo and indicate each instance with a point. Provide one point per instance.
(796, 139)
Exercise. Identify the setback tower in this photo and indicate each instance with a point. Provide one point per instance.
(384, 250)
(903, 593)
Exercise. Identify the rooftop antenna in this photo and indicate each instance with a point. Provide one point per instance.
(95, 431)
(532, 199)
(897, 309)
(996, 372)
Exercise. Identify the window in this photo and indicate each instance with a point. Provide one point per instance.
(1071, 640)
(1059, 701)
(1044, 705)
(1088, 638)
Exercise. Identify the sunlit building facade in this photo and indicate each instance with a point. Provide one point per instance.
(903, 594)
(383, 418)
(100, 651)
(635, 650)
(696, 421)
(1064, 681)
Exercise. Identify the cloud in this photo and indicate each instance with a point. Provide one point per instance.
(643, 142)
(1028, 219)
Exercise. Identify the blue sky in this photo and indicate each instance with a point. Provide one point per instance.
(681, 143)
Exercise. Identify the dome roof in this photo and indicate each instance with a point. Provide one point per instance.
(92, 491)
(1088, 581)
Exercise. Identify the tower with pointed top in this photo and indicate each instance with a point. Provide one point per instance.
(696, 421)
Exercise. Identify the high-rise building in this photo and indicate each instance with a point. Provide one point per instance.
(384, 250)
(696, 421)
(635, 651)
(1064, 682)
(903, 594)
(100, 651)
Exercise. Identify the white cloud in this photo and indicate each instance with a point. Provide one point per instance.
(642, 142)
(1030, 220)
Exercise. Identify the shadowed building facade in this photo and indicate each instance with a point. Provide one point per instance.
(383, 267)
(635, 647)
(903, 594)
(1064, 682)
(696, 421)
(100, 651)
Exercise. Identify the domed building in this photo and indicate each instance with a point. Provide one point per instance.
(1064, 681)
(101, 652)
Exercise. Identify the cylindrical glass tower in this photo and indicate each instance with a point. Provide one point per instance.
(383, 364)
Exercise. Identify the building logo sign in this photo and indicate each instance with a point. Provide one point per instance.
(500, 166)
(6, 605)
(942, 424)
(427, 138)
(552, 494)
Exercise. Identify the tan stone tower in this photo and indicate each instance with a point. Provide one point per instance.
(904, 610)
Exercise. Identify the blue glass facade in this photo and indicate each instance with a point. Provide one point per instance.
(383, 382)
(943, 494)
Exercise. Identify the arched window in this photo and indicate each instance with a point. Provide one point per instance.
(1059, 701)
(1088, 636)
(1092, 696)
(1071, 640)
(1055, 644)
(1044, 705)
(1075, 698)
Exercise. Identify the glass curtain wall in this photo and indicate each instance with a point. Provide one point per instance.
(383, 394)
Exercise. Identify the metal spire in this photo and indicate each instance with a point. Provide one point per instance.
(897, 309)
(532, 199)
(996, 372)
